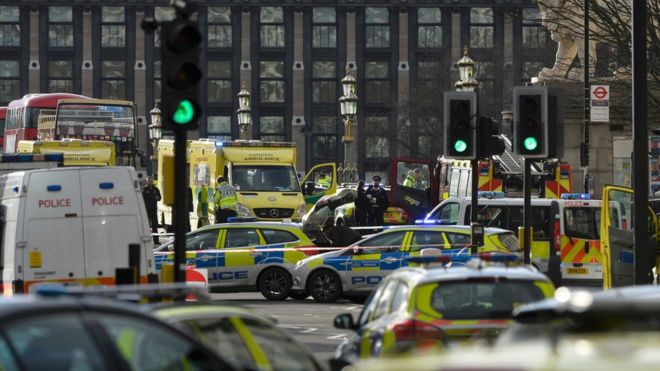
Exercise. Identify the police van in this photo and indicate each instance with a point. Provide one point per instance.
(568, 228)
(71, 225)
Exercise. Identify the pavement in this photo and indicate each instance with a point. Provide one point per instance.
(309, 322)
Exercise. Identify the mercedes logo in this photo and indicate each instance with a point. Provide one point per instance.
(274, 213)
(272, 198)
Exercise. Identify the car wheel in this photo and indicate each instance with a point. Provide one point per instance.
(297, 295)
(325, 286)
(275, 284)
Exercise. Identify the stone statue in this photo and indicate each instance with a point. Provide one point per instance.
(564, 20)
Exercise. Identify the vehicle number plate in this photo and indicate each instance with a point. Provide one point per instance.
(578, 271)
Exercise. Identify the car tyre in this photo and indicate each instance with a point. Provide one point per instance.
(298, 295)
(325, 286)
(275, 284)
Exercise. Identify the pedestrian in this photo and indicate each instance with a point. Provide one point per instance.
(141, 180)
(324, 181)
(203, 206)
(410, 179)
(189, 201)
(151, 196)
(224, 200)
(361, 206)
(378, 202)
(340, 235)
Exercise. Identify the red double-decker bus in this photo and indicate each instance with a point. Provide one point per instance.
(23, 114)
(3, 114)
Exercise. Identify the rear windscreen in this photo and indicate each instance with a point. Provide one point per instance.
(582, 222)
(472, 299)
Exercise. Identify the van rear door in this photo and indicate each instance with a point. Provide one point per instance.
(52, 228)
(114, 217)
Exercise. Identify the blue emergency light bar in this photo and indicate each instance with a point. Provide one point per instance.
(490, 194)
(431, 221)
(576, 196)
(241, 219)
(464, 258)
(31, 157)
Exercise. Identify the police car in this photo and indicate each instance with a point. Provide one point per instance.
(242, 257)
(421, 309)
(354, 271)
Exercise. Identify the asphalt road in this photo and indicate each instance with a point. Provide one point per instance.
(308, 321)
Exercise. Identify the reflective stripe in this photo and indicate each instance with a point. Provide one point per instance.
(125, 343)
(225, 196)
(366, 262)
(253, 347)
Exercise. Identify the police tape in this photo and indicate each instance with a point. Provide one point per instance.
(256, 250)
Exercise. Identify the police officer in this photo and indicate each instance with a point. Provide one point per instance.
(151, 196)
(324, 181)
(410, 179)
(224, 200)
(203, 206)
(378, 202)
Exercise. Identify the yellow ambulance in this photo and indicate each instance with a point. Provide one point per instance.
(264, 174)
(76, 152)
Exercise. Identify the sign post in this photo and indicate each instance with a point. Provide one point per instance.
(600, 103)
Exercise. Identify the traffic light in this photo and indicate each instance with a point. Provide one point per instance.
(460, 132)
(180, 50)
(490, 142)
(537, 125)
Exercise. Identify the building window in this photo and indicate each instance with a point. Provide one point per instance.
(324, 138)
(272, 27)
(271, 128)
(377, 84)
(324, 30)
(10, 82)
(272, 81)
(219, 127)
(378, 28)
(533, 33)
(113, 79)
(113, 29)
(481, 28)
(157, 85)
(219, 81)
(162, 13)
(60, 27)
(10, 28)
(429, 29)
(60, 77)
(219, 27)
(325, 82)
(531, 69)
(377, 144)
(429, 75)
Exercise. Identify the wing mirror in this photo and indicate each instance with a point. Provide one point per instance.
(345, 321)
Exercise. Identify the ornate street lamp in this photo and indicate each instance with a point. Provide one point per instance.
(244, 112)
(155, 132)
(466, 72)
(348, 105)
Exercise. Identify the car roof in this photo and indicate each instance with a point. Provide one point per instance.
(420, 276)
(445, 227)
(192, 310)
(251, 224)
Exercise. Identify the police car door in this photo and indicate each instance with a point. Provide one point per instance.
(374, 259)
(423, 240)
(201, 246)
(240, 257)
(617, 236)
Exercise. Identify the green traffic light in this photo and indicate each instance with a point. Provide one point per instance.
(460, 146)
(530, 143)
(185, 112)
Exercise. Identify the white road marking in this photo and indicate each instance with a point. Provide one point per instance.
(311, 329)
(335, 337)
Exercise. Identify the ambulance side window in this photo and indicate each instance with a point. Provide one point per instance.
(240, 237)
(447, 213)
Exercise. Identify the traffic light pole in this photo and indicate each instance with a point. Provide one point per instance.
(180, 205)
(527, 210)
(474, 209)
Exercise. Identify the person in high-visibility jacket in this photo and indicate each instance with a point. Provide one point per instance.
(203, 206)
(410, 179)
(324, 181)
(224, 200)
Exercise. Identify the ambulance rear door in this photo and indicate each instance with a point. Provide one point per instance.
(114, 217)
(52, 241)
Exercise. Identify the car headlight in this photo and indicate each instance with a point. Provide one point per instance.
(243, 210)
(302, 210)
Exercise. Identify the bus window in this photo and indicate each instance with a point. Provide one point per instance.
(582, 222)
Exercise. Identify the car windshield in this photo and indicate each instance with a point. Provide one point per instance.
(482, 297)
(278, 178)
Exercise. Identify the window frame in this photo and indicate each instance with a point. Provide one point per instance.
(109, 79)
(379, 31)
(474, 24)
(216, 25)
(120, 25)
(277, 26)
(8, 25)
(331, 28)
(69, 23)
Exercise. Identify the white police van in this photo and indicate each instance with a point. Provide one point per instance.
(71, 225)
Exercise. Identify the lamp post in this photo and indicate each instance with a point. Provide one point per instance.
(466, 72)
(244, 112)
(155, 133)
(348, 106)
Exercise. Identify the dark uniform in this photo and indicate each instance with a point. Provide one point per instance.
(151, 196)
(378, 202)
(361, 208)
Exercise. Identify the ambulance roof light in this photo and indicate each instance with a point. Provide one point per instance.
(576, 196)
(490, 194)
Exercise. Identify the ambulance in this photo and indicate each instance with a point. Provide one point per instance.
(565, 231)
(76, 152)
(264, 174)
(71, 225)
